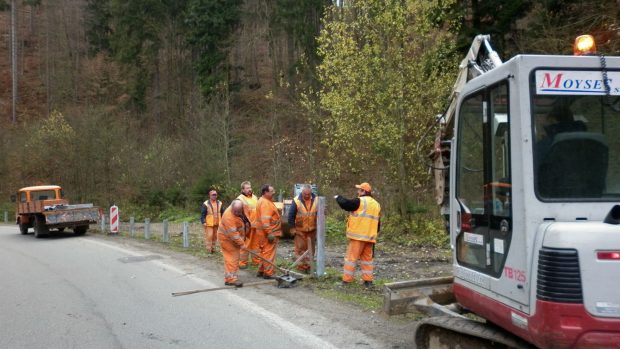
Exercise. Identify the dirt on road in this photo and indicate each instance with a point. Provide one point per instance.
(354, 306)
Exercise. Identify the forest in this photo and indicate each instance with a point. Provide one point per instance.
(147, 104)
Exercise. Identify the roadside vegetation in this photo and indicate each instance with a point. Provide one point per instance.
(150, 109)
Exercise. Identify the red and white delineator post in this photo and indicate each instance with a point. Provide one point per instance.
(114, 219)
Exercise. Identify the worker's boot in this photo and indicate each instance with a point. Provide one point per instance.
(368, 284)
(260, 274)
(236, 283)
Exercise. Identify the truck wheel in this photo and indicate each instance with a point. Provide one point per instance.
(81, 230)
(23, 228)
(40, 229)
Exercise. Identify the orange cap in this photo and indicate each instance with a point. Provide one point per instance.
(364, 186)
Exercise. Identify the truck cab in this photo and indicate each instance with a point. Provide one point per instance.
(534, 199)
(43, 208)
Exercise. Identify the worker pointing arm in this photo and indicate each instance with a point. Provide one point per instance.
(362, 231)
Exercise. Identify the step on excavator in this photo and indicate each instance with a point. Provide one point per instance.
(527, 175)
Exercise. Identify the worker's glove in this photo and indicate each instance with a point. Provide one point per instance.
(293, 232)
(270, 238)
(204, 224)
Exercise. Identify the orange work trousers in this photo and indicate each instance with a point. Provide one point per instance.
(301, 246)
(268, 251)
(210, 238)
(251, 243)
(361, 250)
(230, 252)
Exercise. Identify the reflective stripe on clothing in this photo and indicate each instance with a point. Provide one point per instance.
(267, 251)
(210, 238)
(230, 251)
(214, 215)
(249, 207)
(362, 251)
(269, 216)
(363, 223)
(231, 227)
(305, 219)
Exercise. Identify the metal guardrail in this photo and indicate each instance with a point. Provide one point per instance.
(425, 295)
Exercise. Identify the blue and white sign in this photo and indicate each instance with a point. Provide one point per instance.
(574, 82)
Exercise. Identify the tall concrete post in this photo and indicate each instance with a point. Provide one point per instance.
(185, 234)
(166, 237)
(320, 237)
(132, 226)
(147, 228)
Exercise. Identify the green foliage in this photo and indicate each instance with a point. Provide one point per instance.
(49, 147)
(209, 181)
(335, 229)
(495, 17)
(301, 20)
(209, 24)
(4, 6)
(384, 77)
(422, 230)
(98, 28)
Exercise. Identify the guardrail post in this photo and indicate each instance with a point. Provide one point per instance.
(103, 223)
(320, 237)
(166, 237)
(147, 228)
(6, 217)
(185, 234)
(132, 226)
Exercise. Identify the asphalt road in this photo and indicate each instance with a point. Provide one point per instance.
(83, 292)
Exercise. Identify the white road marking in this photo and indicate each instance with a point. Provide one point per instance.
(284, 325)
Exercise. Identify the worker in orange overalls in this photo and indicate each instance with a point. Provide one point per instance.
(302, 220)
(233, 228)
(362, 229)
(269, 231)
(249, 201)
(210, 217)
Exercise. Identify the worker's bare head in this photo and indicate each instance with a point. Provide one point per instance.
(237, 207)
(246, 188)
(267, 191)
(306, 192)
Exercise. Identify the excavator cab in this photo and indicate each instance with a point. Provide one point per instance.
(534, 172)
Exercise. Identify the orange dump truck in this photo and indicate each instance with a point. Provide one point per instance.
(43, 208)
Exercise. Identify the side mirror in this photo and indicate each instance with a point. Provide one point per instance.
(13, 198)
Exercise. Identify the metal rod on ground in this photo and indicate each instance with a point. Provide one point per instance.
(320, 237)
(6, 217)
(132, 226)
(285, 271)
(299, 259)
(258, 283)
(185, 234)
(166, 237)
(103, 223)
(147, 228)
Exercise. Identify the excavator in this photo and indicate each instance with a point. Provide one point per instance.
(527, 175)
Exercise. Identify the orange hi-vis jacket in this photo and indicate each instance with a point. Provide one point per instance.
(363, 223)
(305, 220)
(269, 220)
(249, 208)
(232, 227)
(214, 216)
